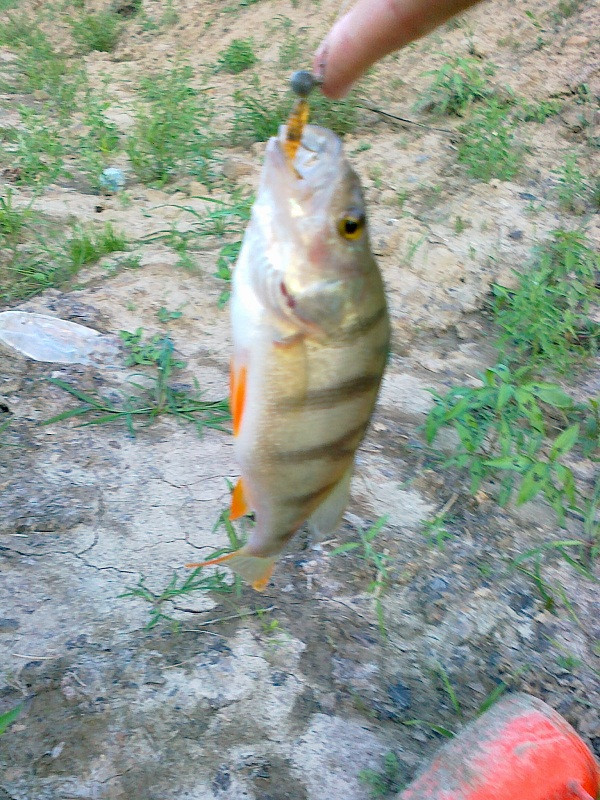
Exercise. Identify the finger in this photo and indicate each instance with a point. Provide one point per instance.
(371, 30)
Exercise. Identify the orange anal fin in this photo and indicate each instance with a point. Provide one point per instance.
(255, 570)
(237, 384)
(239, 504)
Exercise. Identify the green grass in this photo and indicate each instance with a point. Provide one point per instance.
(35, 255)
(386, 781)
(172, 129)
(13, 220)
(225, 263)
(191, 583)
(488, 147)
(40, 68)
(545, 320)
(531, 111)
(375, 560)
(504, 434)
(457, 83)
(155, 396)
(237, 57)
(36, 152)
(520, 433)
(88, 246)
(573, 189)
(101, 141)
(98, 31)
(8, 717)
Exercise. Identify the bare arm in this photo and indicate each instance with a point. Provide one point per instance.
(371, 30)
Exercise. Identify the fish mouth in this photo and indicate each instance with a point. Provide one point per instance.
(317, 159)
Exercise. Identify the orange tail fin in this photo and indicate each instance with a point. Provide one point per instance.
(255, 570)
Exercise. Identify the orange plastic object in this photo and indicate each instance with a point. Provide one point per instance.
(521, 749)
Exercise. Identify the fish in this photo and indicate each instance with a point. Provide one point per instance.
(311, 332)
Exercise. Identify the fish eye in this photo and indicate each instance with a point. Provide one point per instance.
(351, 226)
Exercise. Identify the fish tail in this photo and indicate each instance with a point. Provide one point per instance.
(255, 570)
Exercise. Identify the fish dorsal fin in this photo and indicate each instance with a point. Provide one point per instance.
(255, 570)
(239, 503)
(326, 517)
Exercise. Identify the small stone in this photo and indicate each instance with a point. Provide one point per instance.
(234, 168)
(516, 235)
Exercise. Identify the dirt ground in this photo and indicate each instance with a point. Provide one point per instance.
(289, 694)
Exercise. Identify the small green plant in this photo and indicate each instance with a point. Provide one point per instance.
(87, 247)
(385, 782)
(488, 146)
(156, 397)
(101, 141)
(225, 261)
(435, 531)
(573, 189)
(380, 562)
(98, 31)
(8, 717)
(458, 83)
(191, 583)
(171, 131)
(501, 430)
(237, 57)
(531, 111)
(164, 315)
(13, 220)
(37, 153)
(546, 319)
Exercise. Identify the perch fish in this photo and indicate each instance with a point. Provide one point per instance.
(310, 341)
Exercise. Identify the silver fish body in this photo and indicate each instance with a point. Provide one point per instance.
(310, 340)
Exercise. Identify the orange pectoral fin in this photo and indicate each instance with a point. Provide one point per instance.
(239, 504)
(237, 383)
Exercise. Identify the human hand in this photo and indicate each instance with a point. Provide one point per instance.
(371, 30)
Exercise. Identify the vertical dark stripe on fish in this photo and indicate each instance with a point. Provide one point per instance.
(317, 494)
(342, 447)
(332, 395)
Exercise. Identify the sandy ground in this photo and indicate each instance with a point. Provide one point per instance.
(292, 693)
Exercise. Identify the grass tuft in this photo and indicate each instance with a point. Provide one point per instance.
(238, 57)
(98, 31)
(171, 130)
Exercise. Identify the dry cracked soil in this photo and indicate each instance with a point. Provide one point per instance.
(292, 693)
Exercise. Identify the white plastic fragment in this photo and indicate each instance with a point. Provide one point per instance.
(52, 339)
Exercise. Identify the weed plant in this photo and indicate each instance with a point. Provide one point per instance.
(98, 31)
(155, 397)
(573, 190)
(36, 152)
(488, 146)
(376, 560)
(87, 247)
(171, 131)
(458, 83)
(225, 262)
(546, 319)
(101, 141)
(192, 583)
(385, 782)
(521, 433)
(238, 57)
